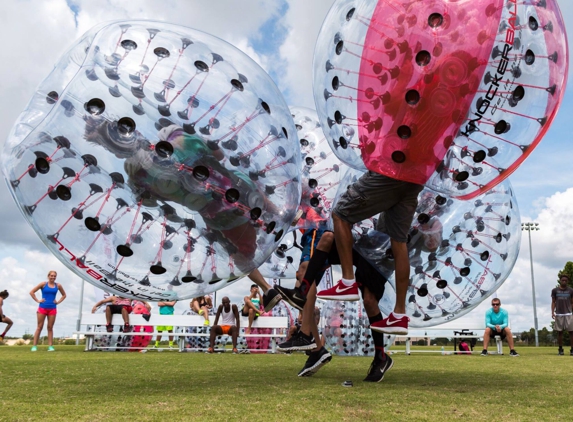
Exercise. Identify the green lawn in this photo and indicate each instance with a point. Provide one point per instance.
(72, 385)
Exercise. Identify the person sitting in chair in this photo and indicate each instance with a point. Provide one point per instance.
(496, 322)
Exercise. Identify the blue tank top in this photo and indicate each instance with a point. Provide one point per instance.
(49, 294)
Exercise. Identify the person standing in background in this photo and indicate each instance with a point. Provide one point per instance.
(47, 308)
(562, 311)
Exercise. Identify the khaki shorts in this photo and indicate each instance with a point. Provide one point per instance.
(563, 323)
(374, 193)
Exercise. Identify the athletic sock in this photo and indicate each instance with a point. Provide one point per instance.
(170, 343)
(347, 282)
(315, 266)
(378, 339)
(3, 334)
(156, 344)
(397, 315)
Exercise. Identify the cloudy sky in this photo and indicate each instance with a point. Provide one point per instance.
(280, 36)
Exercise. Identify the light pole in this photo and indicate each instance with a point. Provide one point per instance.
(529, 227)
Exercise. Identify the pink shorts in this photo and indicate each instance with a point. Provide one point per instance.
(45, 311)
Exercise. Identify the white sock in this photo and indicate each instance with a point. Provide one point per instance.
(348, 283)
(397, 315)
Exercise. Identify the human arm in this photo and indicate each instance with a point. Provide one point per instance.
(237, 319)
(505, 320)
(488, 321)
(101, 302)
(194, 305)
(209, 302)
(553, 306)
(553, 299)
(35, 289)
(63, 295)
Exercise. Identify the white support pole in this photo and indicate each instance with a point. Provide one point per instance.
(80, 313)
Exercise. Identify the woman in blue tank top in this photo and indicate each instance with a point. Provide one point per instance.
(47, 308)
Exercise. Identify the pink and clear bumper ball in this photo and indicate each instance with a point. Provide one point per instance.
(346, 329)
(321, 170)
(156, 161)
(460, 252)
(450, 94)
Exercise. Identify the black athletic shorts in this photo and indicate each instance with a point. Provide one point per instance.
(497, 333)
(245, 313)
(116, 309)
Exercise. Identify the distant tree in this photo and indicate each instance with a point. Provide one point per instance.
(568, 270)
(442, 341)
(28, 336)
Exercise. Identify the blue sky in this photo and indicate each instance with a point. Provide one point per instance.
(280, 36)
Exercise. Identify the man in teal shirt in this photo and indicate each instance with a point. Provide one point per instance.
(496, 323)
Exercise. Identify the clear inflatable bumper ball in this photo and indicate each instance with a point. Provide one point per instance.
(156, 161)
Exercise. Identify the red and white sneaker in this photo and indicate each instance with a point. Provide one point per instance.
(340, 291)
(392, 325)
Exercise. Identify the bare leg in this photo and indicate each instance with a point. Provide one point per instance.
(402, 264)
(215, 331)
(51, 321)
(486, 335)
(108, 315)
(9, 324)
(571, 338)
(308, 323)
(344, 241)
(170, 337)
(234, 335)
(259, 280)
(205, 313)
(509, 338)
(252, 314)
(560, 339)
(125, 316)
(41, 318)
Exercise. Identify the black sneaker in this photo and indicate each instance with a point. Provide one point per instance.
(314, 362)
(571, 352)
(271, 298)
(378, 369)
(483, 352)
(513, 353)
(560, 352)
(298, 342)
(293, 296)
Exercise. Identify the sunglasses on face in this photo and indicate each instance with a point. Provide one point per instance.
(495, 304)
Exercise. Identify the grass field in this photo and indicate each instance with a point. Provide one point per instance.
(73, 385)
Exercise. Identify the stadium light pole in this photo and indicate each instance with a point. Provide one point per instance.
(529, 227)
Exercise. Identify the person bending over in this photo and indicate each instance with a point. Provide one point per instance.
(118, 305)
